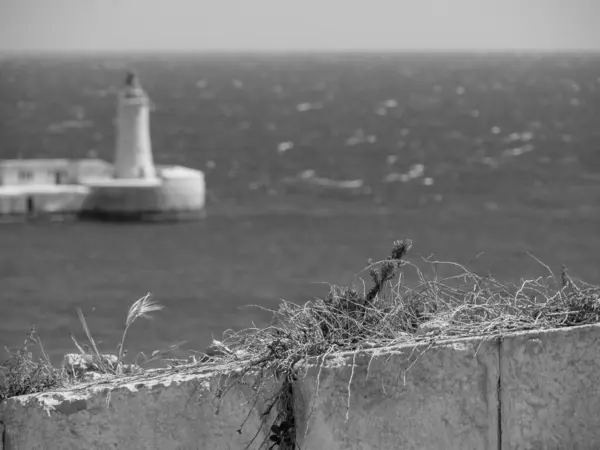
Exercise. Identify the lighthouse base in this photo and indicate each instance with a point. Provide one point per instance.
(142, 216)
(176, 194)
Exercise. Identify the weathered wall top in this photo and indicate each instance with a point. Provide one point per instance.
(522, 391)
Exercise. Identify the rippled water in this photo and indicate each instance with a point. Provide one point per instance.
(462, 153)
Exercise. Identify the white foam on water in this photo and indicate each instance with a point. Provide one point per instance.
(285, 146)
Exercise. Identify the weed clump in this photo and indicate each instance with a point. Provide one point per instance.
(90, 357)
(28, 370)
(392, 311)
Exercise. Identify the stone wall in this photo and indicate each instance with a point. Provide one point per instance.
(534, 390)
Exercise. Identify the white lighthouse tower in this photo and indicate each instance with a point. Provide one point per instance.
(133, 153)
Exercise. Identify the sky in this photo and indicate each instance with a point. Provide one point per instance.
(300, 25)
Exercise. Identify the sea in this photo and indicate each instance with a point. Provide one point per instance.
(314, 163)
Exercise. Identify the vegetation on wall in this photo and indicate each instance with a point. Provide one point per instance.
(443, 301)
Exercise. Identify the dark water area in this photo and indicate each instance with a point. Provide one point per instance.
(464, 154)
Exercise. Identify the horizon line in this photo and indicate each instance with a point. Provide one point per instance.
(293, 51)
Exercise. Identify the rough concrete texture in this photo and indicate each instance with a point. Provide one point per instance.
(167, 413)
(177, 197)
(550, 392)
(415, 397)
(535, 390)
(12, 204)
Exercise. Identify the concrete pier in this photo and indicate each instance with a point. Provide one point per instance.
(133, 189)
(177, 193)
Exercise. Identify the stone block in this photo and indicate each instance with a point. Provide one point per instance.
(174, 412)
(550, 393)
(413, 397)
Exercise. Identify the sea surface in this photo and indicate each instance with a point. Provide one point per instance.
(478, 158)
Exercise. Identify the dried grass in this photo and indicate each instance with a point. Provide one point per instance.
(106, 363)
(28, 370)
(393, 312)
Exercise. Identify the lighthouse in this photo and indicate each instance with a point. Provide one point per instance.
(138, 190)
(133, 152)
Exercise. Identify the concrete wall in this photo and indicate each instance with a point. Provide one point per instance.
(409, 398)
(13, 204)
(62, 202)
(550, 391)
(42, 200)
(171, 413)
(174, 198)
(527, 391)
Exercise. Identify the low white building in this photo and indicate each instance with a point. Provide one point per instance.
(52, 172)
(32, 186)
